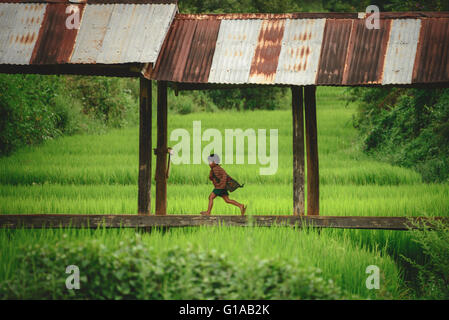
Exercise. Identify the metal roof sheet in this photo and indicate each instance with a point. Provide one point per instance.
(334, 50)
(122, 33)
(301, 47)
(366, 53)
(55, 41)
(273, 49)
(201, 52)
(432, 56)
(265, 61)
(19, 25)
(89, 42)
(289, 49)
(234, 51)
(36, 33)
(188, 50)
(401, 51)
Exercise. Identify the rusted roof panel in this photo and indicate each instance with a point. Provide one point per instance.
(265, 61)
(366, 53)
(301, 48)
(312, 51)
(401, 51)
(432, 57)
(334, 51)
(175, 51)
(187, 50)
(202, 51)
(234, 51)
(19, 29)
(55, 41)
(38, 33)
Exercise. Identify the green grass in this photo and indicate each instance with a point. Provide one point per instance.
(340, 259)
(97, 174)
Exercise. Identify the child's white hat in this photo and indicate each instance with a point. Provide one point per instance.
(214, 158)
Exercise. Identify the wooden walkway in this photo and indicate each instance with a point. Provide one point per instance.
(141, 221)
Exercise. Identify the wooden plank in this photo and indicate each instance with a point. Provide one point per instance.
(313, 194)
(298, 150)
(142, 221)
(161, 151)
(145, 146)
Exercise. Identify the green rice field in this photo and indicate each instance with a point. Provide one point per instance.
(97, 174)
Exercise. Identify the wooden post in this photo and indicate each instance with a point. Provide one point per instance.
(298, 150)
(161, 151)
(313, 177)
(145, 156)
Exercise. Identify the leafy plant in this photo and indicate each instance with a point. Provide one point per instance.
(133, 271)
(433, 271)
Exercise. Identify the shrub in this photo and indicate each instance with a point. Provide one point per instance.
(35, 108)
(406, 127)
(133, 271)
(433, 272)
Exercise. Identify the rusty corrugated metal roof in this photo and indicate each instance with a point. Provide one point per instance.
(37, 34)
(201, 52)
(282, 49)
(122, 33)
(366, 53)
(188, 50)
(432, 56)
(333, 51)
(55, 42)
(19, 29)
(301, 48)
(263, 67)
(288, 49)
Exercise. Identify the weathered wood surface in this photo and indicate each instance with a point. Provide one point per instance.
(161, 151)
(313, 177)
(298, 150)
(136, 221)
(145, 146)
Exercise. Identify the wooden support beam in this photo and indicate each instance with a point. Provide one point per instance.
(161, 151)
(313, 178)
(145, 146)
(298, 150)
(138, 221)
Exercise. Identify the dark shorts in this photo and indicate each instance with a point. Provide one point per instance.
(220, 192)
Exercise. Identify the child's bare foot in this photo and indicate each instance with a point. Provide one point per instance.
(205, 213)
(243, 210)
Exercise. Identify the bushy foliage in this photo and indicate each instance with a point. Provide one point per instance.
(113, 101)
(407, 127)
(433, 273)
(248, 6)
(27, 111)
(385, 5)
(132, 270)
(36, 108)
